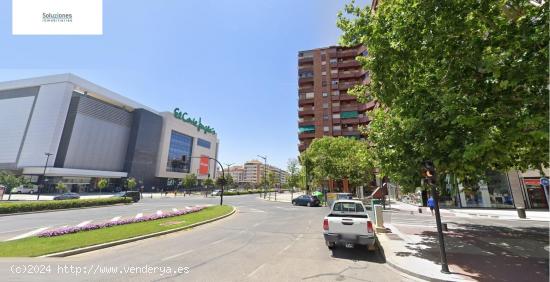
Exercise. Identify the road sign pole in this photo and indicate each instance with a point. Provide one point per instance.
(443, 254)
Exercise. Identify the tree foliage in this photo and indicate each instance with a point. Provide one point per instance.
(463, 83)
(131, 183)
(11, 181)
(190, 180)
(208, 182)
(61, 187)
(293, 169)
(338, 158)
(102, 183)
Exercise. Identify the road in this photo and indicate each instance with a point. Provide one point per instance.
(263, 241)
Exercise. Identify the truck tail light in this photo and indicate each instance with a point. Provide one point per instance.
(325, 224)
(369, 227)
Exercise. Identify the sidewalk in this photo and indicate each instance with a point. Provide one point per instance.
(507, 214)
(509, 252)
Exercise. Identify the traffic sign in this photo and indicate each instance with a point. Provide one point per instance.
(544, 181)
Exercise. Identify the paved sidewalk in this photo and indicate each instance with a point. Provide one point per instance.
(475, 250)
(507, 214)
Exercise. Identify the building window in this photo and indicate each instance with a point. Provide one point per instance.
(325, 94)
(325, 116)
(325, 128)
(337, 128)
(323, 63)
(333, 61)
(324, 73)
(334, 71)
(324, 83)
(203, 143)
(179, 153)
(335, 93)
(335, 82)
(325, 105)
(310, 95)
(336, 104)
(335, 115)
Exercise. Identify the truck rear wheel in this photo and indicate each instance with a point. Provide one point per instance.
(330, 245)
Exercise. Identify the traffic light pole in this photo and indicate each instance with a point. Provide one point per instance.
(444, 266)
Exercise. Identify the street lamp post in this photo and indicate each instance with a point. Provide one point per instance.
(228, 169)
(44, 175)
(265, 174)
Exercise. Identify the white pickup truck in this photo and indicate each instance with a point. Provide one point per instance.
(349, 224)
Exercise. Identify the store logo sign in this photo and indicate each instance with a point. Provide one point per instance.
(57, 17)
(197, 123)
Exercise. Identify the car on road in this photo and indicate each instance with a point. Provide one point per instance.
(67, 196)
(129, 194)
(306, 200)
(348, 224)
(25, 189)
(216, 192)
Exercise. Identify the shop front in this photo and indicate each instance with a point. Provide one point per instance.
(535, 193)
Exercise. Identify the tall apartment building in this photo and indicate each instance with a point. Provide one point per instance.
(324, 106)
(253, 172)
(237, 173)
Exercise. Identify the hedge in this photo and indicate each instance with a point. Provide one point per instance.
(29, 206)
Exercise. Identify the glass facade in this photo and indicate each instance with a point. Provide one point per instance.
(179, 153)
(203, 143)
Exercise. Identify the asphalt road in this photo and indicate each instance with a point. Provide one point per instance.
(263, 241)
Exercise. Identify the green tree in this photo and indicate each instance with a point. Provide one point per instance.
(272, 179)
(339, 158)
(208, 182)
(463, 83)
(61, 187)
(102, 184)
(11, 181)
(131, 183)
(190, 180)
(293, 173)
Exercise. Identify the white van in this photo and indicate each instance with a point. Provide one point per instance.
(25, 189)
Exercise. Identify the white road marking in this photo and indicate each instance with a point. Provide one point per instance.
(177, 255)
(299, 237)
(139, 215)
(159, 212)
(116, 218)
(256, 270)
(256, 210)
(28, 234)
(83, 223)
(285, 248)
(219, 241)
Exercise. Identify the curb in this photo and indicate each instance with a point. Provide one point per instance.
(55, 210)
(133, 239)
(403, 270)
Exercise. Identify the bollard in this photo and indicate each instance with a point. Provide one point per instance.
(419, 210)
(444, 227)
(378, 215)
(521, 213)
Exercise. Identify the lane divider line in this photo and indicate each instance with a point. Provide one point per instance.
(177, 255)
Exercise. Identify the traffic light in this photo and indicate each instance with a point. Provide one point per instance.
(428, 170)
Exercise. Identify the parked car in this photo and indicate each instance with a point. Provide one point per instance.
(129, 194)
(216, 192)
(67, 196)
(25, 189)
(232, 190)
(306, 200)
(349, 224)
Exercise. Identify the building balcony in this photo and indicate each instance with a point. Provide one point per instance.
(346, 86)
(335, 120)
(303, 102)
(348, 64)
(336, 132)
(351, 133)
(306, 122)
(349, 108)
(367, 107)
(306, 135)
(305, 80)
(348, 53)
(305, 60)
(349, 120)
(304, 89)
(346, 97)
(303, 113)
(353, 74)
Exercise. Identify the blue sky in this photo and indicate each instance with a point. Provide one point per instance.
(233, 63)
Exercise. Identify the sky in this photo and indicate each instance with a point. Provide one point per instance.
(231, 62)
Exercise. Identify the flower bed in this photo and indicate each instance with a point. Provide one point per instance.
(93, 226)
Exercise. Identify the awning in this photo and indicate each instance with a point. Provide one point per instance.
(59, 171)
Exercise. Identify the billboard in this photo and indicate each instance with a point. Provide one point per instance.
(204, 165)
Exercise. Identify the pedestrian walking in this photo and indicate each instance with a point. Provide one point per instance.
(431, 204)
